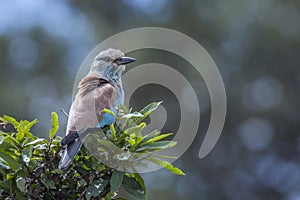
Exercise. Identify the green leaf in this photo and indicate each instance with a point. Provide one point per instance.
(134, 114)
(140, 180)
(38, 140)
(10, 152)
(6, 119)
(107, 145)
(10, 161)
(116, 180)
(11, 139)
(147, 110)
(30, 124)
(131, 140)
(166, 165)
(29, 135)
(40, 147)
(12, 175)
(157, 145)
(26, 155)
(113, 131)
(123, 108)
(95, 189)
(134, 188)
(133, 132)
(3, 166)
(108, 111)
(103, 149)
(55, 125)
(49, 184)
(154, 139)
(21, 184)
(2, 139)
(88, 194)
(57, 171)
(8, 146)
(20, 196)
(151, 135)
(136, 130)
(23, 129)
(4, 185)
(20, 135)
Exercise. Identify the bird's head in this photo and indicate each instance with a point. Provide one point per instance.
(110, 63)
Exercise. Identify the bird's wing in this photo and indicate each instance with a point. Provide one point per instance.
(95, 94)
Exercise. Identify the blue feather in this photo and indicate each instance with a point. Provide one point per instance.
(108, 118)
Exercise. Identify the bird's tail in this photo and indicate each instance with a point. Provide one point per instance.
(69, 154)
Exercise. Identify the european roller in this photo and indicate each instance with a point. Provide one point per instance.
(101, 88)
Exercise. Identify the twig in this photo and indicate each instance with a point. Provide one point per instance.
(104, 192)
(63, 110)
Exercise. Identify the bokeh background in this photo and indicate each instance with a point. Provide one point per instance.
(255, 44)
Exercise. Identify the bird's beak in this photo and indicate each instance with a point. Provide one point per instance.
(125, 60)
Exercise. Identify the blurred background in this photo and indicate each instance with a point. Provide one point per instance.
(255, 44)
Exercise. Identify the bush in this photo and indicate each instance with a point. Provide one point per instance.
(29, 165)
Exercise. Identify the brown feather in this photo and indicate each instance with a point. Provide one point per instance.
(90, 82)
(95, 94)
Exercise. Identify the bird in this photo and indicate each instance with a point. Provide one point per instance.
(100, 89)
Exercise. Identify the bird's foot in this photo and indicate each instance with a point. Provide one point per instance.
(73, 135)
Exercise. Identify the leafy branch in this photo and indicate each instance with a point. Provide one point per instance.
(106, 163)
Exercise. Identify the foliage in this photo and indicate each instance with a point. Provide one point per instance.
(28, 165)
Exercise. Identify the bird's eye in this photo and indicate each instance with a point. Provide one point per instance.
(118, 59)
